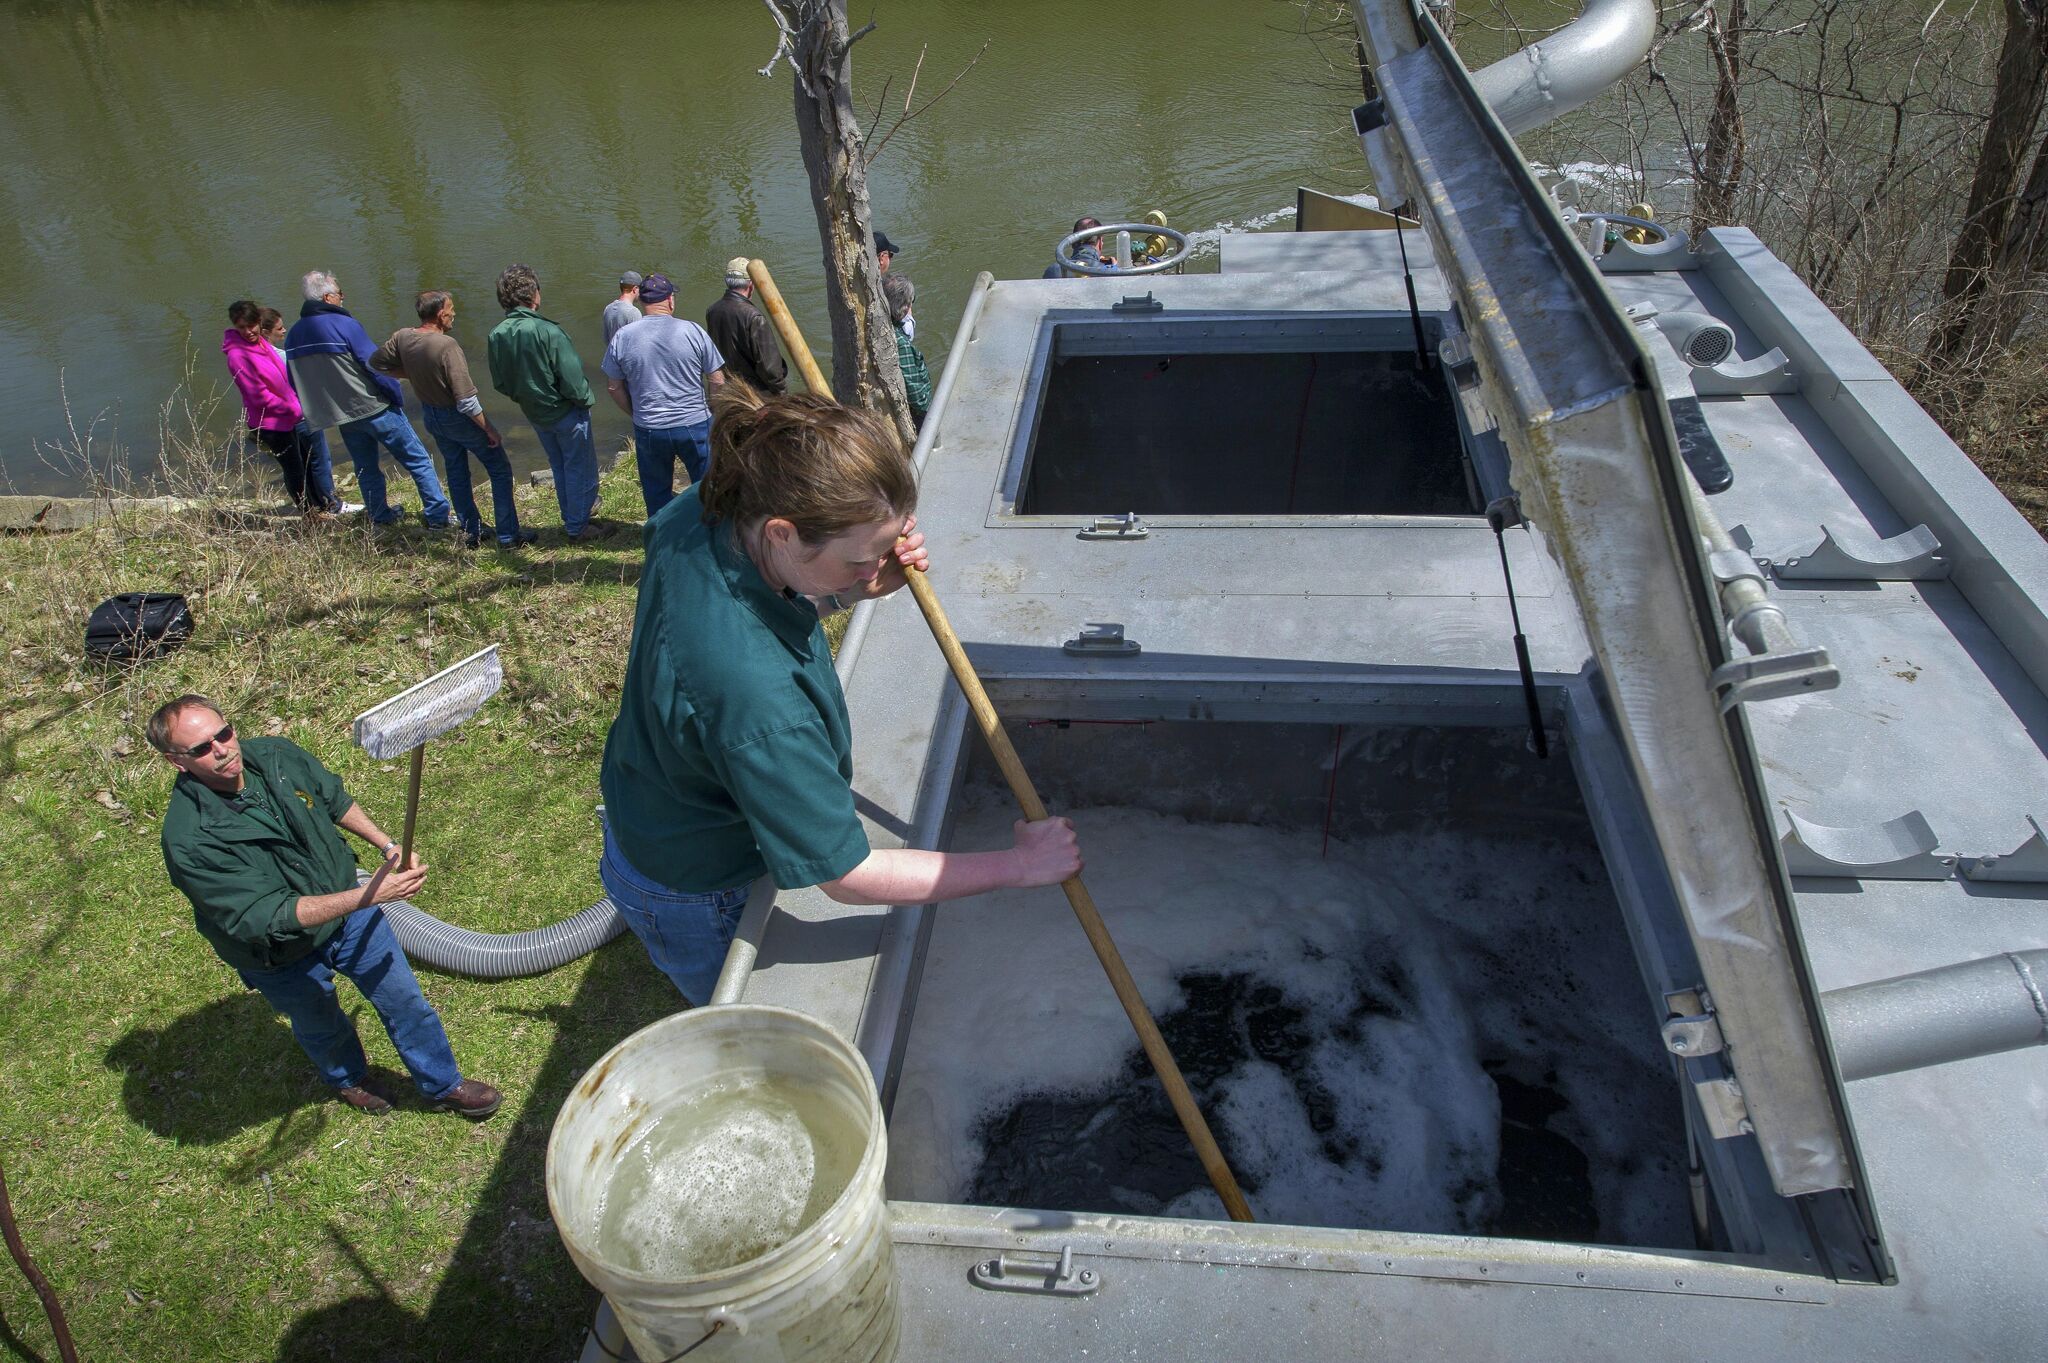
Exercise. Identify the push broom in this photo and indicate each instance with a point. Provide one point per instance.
(409, 719)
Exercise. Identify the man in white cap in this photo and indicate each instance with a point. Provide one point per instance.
(743, 335)
(620, 311)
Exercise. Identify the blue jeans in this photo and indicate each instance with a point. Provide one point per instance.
(367, 952)
(573, 460)
(656, 449)
(390, 429)
(685, 934)
(458, 438)
(308, 473)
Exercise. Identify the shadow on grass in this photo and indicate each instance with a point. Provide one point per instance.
(14, 1346)
(217, 1071)
(510, 1291)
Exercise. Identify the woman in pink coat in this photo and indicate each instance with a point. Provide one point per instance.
(273, 412)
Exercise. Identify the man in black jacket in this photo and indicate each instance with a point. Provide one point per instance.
(743, 335)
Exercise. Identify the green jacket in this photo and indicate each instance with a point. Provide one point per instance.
(534, 363)
(243, 878)
(917, 379)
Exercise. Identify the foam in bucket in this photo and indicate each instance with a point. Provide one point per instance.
(722, 1179)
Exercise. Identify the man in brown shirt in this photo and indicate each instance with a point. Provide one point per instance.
(431, 360)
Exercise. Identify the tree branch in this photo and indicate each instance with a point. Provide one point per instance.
(909, 113)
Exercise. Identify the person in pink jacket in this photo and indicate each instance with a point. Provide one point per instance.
(273, 412)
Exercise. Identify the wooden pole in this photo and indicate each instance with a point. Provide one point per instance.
(991, 726)
(412, 804)
(785, 324)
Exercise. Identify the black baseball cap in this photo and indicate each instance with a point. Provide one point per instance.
(882, 243)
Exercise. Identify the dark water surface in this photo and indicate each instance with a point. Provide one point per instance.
(163, 157)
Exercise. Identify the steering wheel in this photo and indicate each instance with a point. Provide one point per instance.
(1063, 254)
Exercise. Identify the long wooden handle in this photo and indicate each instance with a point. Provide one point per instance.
(991, 726)
(792, 335)
(412, 804)
(998, 741)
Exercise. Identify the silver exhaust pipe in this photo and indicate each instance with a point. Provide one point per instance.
(1931, 1017)
(1552, 77)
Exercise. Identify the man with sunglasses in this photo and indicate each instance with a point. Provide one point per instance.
(250, 839)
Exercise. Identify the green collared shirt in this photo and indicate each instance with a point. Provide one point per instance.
(731, 755)
(245, 863)
(534, 363)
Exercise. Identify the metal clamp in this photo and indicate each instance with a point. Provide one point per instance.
(2026, 864)
(1058, 1278)
(1101, 637)
(1852, 555)
(1905, 848)
(1124, 527)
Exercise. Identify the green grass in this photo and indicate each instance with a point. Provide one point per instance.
(175, 1166)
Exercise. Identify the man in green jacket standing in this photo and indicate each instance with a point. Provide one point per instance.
(534, 363)
(249, 838)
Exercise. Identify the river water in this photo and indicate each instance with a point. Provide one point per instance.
(164, 157)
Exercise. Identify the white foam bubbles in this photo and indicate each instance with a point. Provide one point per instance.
(716, 1182)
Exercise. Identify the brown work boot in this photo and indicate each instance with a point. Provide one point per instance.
(473, 1098)
(363, 1100)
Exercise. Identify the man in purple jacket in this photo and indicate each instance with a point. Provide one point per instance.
(329, 353)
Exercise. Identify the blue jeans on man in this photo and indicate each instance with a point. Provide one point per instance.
(367, 952)
(573, 460)
(655, 451)
(390, 429)
(686, 935)
(458, 438)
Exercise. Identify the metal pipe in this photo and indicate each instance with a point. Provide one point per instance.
(1557, 74)
(1931, 1017)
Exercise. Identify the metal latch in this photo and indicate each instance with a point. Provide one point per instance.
(1691, 1029)
(1104, 637)
(1057, 1278)
(1124, 527)
(1137, 303)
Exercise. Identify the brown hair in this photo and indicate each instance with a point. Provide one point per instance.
(159, 730)
(244, 312)
(269, 318)
(518, 287)
(429, 304)
(824, 468)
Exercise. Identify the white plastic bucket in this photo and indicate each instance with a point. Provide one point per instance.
(828, 1293)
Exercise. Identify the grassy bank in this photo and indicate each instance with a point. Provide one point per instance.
(174, 1163)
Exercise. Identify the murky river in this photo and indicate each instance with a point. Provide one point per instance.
(163, 157)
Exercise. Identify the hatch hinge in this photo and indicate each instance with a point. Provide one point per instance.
(1766, 662)
(1051, 1278)
(1133, 302)
(1690, 1028)
(1124, 527)
(1691, 1032)
(1104, 638)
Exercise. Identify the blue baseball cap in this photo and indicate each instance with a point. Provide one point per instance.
(656, 289)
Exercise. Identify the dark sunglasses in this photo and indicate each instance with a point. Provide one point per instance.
(222, 736)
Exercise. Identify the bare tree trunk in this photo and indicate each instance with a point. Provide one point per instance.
(1721, 160)
(2023, 255)
(2016, 101)
(864, 367)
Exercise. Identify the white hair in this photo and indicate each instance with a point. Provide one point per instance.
(318, 284)
(899, 293)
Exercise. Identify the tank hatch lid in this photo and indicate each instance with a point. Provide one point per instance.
(1596, 461)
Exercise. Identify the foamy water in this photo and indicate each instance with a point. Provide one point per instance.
(1420, 976)
(720, 1181)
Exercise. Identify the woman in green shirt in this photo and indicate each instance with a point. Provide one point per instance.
(731, 756)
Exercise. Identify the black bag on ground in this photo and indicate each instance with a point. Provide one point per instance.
(136, 626)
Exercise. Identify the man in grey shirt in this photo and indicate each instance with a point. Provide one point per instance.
(620, 311)
(659, 371)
